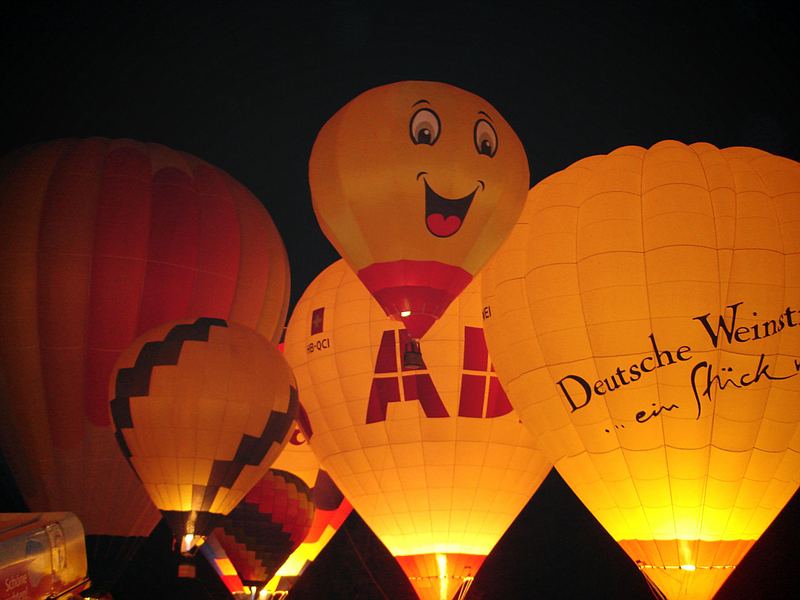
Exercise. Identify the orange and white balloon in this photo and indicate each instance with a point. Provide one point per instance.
(416, 184)
(434, 460)
(644, 317)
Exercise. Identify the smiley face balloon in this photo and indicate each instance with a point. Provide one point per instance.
(416, 184)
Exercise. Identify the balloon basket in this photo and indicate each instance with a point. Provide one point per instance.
(412, 356)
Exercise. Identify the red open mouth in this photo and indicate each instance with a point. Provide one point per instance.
(444, 216)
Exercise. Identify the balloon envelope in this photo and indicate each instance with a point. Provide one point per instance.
(201, 411)
(434, 460)
(643, 318)
(416, 184)
(266, 526)
(101, 240)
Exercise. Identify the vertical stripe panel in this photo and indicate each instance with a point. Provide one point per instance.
(118, 270)
(276, 301)
(65, 268)
(219, 249)
(172, 250)
(255, 260)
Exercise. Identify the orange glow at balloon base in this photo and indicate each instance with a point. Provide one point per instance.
(189, 524)
(684, 567)
(687, 582)
(439, 575)
(190, 544)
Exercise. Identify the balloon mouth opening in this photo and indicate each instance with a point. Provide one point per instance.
(421, 289)
(444, 216)
(412, 356)
(441, 575)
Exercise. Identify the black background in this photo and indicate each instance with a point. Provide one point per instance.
(246, 86)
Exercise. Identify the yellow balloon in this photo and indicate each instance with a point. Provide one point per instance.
(416, 184)
(434, 460)
(643, 318)
(201, 410)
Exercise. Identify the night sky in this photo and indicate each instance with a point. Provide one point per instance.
(247, 87)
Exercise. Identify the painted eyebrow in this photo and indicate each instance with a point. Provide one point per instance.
(480, 112)
(420, 102)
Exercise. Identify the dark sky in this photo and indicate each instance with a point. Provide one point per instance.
(246, 86)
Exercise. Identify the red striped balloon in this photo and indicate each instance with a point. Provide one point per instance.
(265, 528)
(101, 240)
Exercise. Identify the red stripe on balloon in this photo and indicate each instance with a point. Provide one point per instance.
(498, 403)
(172, 250)
(64, 275)
(118, 270)
(476, 354)
(219, 252)
(470, 403)
(327, 518)
(387, 354)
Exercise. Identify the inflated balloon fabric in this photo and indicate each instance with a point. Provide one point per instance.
(643, 317)
(416, 184)
(201, 410)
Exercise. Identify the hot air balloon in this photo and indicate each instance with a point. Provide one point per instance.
(266, 527)
(643, 319)
(201, 410)
(416, 184)
(434, 460)
(101, 240)
(331, 509)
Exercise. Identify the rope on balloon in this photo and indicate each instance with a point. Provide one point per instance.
(364, 564)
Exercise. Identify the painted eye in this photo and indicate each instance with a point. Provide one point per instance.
(425, 127)
(485, 138)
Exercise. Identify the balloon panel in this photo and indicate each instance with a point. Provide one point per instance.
(641, 317)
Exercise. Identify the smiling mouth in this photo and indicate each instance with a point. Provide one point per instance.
(444, 216)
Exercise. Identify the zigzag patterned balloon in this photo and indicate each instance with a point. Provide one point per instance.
(201, 411)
